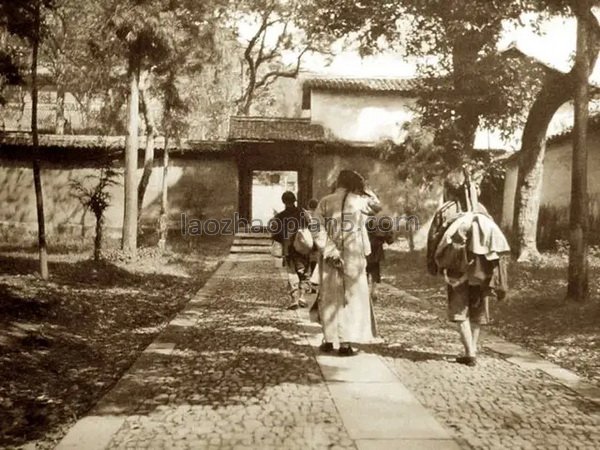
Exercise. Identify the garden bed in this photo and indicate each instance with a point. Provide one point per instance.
(66, 341)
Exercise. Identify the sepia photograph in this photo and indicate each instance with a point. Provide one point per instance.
(300, 224)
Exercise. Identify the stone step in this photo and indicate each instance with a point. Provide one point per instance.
(250, 249)
(257, 235)
(253, 242)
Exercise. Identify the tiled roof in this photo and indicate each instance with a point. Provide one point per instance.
(565, 133)
(66, 141)
(274, 129)
(364, 84)
(93, 142)
(360, 85)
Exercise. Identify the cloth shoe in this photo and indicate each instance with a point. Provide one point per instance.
(347, 351)
(470, 361)
(326, 347)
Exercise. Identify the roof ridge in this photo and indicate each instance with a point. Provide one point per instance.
(352, 77)
(270, 118)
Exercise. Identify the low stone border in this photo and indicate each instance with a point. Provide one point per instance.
(95, 430)
(522, 357)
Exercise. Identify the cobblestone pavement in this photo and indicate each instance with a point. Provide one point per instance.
(495, 405)
(240, 375)
(234, 371)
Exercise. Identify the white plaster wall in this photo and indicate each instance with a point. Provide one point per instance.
(196, 188)
(556, 188)
(510, 188)
(363, 117)
(359, 116)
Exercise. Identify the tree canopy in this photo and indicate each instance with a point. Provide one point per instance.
(467, 81)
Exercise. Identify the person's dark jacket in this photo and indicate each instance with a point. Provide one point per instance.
(285, 226)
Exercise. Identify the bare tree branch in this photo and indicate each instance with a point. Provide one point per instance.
(274, 74)
(275, 51)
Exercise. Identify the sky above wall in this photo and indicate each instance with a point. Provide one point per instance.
(553, 45)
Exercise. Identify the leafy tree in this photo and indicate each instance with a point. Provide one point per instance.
(93, 193)
(557, 89)
(145, 34)
(578, 275)
(168, 83)
(75, 68)
(469, 83)
(174, 123)
(279, 26)
(10, 73)
(477, 84)
(25, 18)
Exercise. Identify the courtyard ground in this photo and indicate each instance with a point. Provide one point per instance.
(235, 369)
(534, 313)
(65, 342)
(164, 359)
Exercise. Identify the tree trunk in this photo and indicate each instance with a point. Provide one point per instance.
(60, 111)
(460, 138)
(148, 153)
(37, 176)
(578, 288)
(83, 214)
(131, 164)
(163, 221)
(555, 92)
(148, 163)
(39, 196)
(248, 96)
(98, 238)
(411, 239)
(246, 103)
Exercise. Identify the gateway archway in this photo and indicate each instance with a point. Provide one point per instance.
(263, 144)
(289, 167)
(267, 189)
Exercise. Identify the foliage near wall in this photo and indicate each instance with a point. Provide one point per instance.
(553, 225)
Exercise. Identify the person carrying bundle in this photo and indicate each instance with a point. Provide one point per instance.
(467, 248)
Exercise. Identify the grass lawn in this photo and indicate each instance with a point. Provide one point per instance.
(66, 341)
(534, 314)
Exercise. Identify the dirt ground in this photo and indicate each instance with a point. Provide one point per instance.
(534, 314)
(66, 341)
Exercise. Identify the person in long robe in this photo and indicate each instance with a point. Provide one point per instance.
(344, 305)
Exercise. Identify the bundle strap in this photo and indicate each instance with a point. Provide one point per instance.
(342, 250)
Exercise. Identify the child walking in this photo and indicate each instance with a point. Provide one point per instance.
(378, 235)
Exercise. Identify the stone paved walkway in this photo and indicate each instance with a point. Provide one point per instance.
(236, 370)
(510, 403)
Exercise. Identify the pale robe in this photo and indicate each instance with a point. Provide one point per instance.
(344, 303)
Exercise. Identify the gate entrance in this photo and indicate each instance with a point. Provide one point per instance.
(266, 170)
(267, 189)
(272, 144)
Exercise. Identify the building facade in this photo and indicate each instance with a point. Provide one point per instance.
(553, 223)
(344, 122)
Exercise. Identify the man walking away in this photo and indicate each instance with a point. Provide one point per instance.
(466, 246)
(284, 227)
